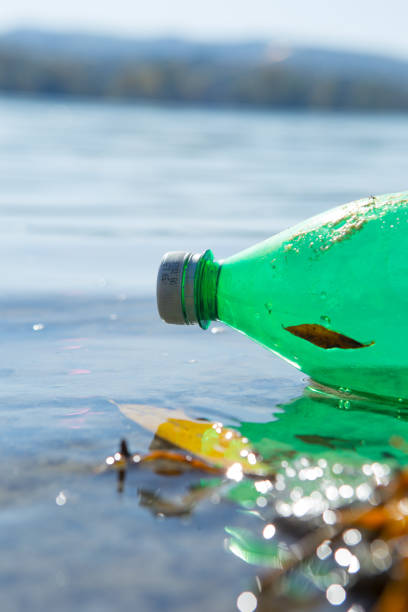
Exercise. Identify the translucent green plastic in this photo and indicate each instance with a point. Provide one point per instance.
(345, 271)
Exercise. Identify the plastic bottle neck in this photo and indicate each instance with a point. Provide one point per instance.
(201, 307)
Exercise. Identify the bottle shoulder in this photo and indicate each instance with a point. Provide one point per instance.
(386, 214)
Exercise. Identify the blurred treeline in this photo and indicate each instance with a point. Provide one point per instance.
(206, 78)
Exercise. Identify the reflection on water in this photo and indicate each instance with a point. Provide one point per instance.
(354, 427)
(326, 525)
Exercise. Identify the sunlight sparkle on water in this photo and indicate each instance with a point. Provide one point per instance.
(61, 499)
(235, 472)
(306, 505)
(335, 594)
(252, 459)
(280, 483)
(346, 491)
(337, 468)
(352, 537)
(343, 557)
(247, 602)
(354, 566)
(331, 493)
(296, 493)
(261, 501)
(403, 505)
(363, 491)
(263, 486)
(283, 508)
(310, 473)
(269, 531)
(323, 551)
(380, 554)
(329, 517)
(381, 473)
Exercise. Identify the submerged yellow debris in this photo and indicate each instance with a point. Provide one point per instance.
(212, 441)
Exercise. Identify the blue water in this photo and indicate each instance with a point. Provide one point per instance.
(91, 196)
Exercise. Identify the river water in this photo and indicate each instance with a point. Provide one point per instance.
(91, 196)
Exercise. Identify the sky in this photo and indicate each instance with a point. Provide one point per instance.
(369, 25)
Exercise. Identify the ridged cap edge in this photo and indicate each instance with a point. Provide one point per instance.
(169, 287)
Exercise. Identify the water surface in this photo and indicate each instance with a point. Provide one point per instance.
(91, 196)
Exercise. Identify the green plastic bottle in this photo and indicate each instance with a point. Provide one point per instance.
(329, 295)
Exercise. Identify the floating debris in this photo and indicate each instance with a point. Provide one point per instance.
(218, 445)
(330, 532)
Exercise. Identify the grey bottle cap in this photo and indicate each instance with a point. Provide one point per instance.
(175, 281)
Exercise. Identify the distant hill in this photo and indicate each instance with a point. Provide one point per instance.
(253, 72)
(101, 47)
(85, 46)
